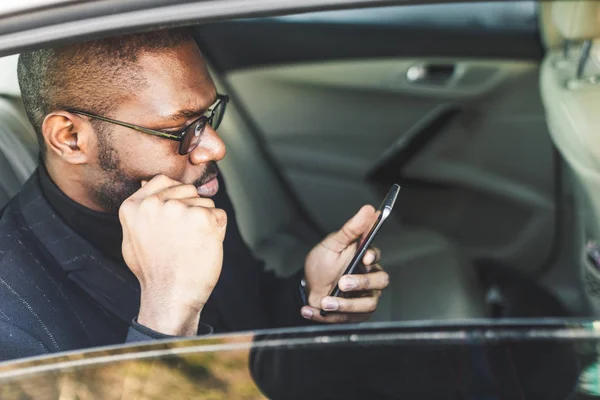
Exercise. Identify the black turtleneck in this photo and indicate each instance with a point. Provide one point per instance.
(101, 230)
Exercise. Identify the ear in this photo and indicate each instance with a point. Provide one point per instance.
(68, 136)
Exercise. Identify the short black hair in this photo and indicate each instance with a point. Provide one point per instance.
(92, 76)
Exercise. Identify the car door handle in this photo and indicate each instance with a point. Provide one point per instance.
(430, 74)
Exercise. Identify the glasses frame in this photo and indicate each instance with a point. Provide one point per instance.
(221, 101)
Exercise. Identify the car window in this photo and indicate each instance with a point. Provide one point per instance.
(495, 360)
(507, 15)
(492, 286)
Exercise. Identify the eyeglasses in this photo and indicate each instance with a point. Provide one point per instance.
(188, 137)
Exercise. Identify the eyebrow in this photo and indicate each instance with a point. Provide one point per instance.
(183, 114)
(188, 113)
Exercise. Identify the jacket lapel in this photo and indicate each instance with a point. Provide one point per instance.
(109, 283)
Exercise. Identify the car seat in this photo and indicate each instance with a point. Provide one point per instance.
(570, 89)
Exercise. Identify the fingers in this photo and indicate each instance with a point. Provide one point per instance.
(178, 192)
(176, 197)
(220, 217)
(373, 268)
(204, 208)
(352, 230)
(215, 216)
(358, 305)
(313, 314)
(377, 280)
(154, 186)
(342, 310)
(198, 202)
(372, 256)
(164, 189)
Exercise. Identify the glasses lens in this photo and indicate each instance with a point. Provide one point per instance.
(191, 136)
(218, 114)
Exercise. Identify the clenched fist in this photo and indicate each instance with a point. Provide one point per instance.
(173, 243)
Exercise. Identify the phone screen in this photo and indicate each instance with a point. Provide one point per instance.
(356, 266)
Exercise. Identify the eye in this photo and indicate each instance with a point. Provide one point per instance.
(198, 129)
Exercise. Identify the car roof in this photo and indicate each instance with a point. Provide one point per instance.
(7, 8)
(32, 24)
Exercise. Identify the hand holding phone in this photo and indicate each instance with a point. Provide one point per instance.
(356, 266)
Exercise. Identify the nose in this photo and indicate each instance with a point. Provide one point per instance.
(210, 148)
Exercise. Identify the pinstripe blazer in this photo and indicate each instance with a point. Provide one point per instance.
(58, 292)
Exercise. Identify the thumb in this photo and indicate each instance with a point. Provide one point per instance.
(356, 227)
(221, 221)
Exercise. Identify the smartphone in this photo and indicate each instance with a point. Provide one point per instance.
(356, 266)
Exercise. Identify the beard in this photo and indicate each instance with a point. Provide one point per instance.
(117, 185)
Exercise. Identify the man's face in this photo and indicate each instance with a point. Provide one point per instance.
(178, 90)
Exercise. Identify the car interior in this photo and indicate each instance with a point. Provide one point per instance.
(570, 93)
(482, 112)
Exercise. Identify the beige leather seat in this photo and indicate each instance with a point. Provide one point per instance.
(429, 277)
(570, 86)
(18, 144)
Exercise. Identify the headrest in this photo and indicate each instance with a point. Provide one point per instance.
(9, 84)
(577, 19)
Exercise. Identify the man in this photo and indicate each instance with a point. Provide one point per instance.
(125, 232)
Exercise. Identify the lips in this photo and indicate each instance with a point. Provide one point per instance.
(209, 188)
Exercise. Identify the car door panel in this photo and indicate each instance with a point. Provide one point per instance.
(471, 150)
